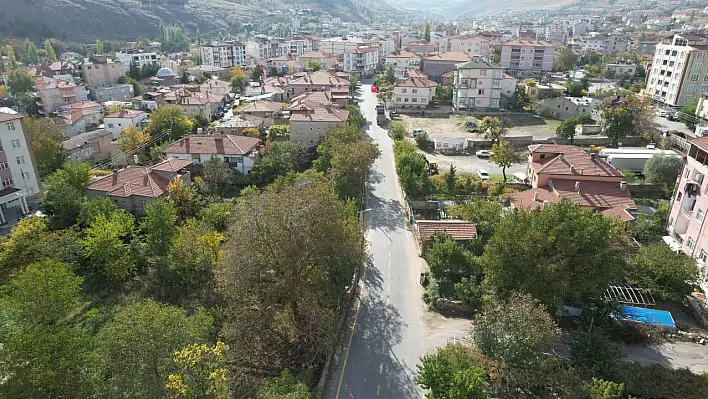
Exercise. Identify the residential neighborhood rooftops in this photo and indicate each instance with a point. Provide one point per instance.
(81, 139)
(263, 106)
(321, 114)
(244, 121)
(402, 54)
(701, 142)
(416, 82)
(453, 56)
(319, 78)
(172, 165)
(318, 98)
(363, 50)
(529, 42)
(315, 54)
(126, 113)
(10, 117)
(457, 229)
(226, 144)
(570, 160)
(477, 63)
(82, 104)
(134, 180)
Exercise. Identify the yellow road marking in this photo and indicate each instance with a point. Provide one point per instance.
(384, 331)
(382, 348)
(346, 357)
(380, 368)
(378, 389)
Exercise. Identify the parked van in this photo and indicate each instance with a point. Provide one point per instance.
(417, 132)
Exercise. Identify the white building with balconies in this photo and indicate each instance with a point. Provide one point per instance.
(477, 85)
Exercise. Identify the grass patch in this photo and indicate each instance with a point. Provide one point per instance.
(499, 178)
(552, 123)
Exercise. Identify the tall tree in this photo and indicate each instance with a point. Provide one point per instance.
(43, 355)
(303, 285)
(11, 59)
(159, 225)
(134, 352)
(663, 169)
(491, 129)
(450, 178)
(617, 124)
(448, 257)
(412, 169)
(486, 214)
(107, 248)
(45, 139)
(127, 79)
(282, 157)
(688, 111)
(642, 108)
(313, 66)
(516, 331)
(184, 198)
(170, 118)
(350, 165)
(562, 253)
(566, 60)
(455, 371)
(64, 194)
(257, 73)
(239, 80)
(51, 54)
(662, 271)
(504, 156)
(131, 139)
(99, 47)
(19, 82)
(32, 56)
(216, 178)
(426, 32)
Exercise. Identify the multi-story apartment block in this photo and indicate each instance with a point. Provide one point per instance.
(101, 71)
(678, 70)
(413, 93)
(224, 54)
(136, 56)
(477, 85)
(467, 44)
(362, 60)
(58, 93)
(527, 57)
(556, 34)
(403, 59)
(339, 45)
(602, 43)
(17, 167)
(689, 206)
(295, 45)
(262, 48)
(324, 60)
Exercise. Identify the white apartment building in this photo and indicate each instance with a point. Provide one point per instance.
(527, 57)
(403, 59)
(362, 60)
(18, 174)
(296, 45)
(477, 85)
(341, 44)
(262, 48)
(466, 44)
(224, 54)
(116, 122)
(413, 93)
(601, 43)
(137, 57)
(678, 70)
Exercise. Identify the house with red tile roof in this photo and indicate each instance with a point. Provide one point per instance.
(311, 126)
(241, 153)
(459, 230)
(558, 172)
(413, 93)
(135, 186)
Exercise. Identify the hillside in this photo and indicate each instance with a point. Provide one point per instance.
(87, 20)
(476, 8)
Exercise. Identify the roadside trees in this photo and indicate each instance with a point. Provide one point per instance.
(662, 271)
(617, 124)
(663, 169)
(239, 80)
(64, 194)
(453, 372)
(504, 156)
(491, 129)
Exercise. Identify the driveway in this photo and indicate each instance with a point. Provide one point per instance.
(470, 164)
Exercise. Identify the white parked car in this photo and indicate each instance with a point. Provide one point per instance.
(483, 154)
(483, 174)
(416, 132)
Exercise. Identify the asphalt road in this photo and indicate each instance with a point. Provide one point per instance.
(385, 339)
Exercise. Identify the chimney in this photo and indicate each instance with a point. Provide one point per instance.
(593, 156)
(546, 204)
(582, 170)
(623, 186)
(560, 156)
(572, 169)
(135, 159)
(535, 196)
(577, 186)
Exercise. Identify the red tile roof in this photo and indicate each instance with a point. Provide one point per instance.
(126, 113)
(562, 157)
(9, 117)
(533, 198)
(263, 106)
(319, 78)
(452, 56)
(457, 229)
(363, 50)
(212, 144)
(133, 180)
(172, 165)
(416, 82)
(593, 194)
(701, 142)
(321, 114)
(528, 42)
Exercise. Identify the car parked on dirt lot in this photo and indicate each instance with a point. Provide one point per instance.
(483, 154)
(483, 174)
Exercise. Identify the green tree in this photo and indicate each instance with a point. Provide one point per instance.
(574, 89)
(390, 75)
(617, 124)
(239, 80)
(286, 386)
(450, 178)
(99, 47)
(32, 56)
(562, 253)
(131, 139)
(184, 198)
(601, 389)
(159, 225)
(347, 161)
(412, 169)
(106, 245)
(64, 194)
(45, 139)
(216, 177)
(687, 113)
(566, 129)
(313, 66)
(566, 60)
(453, 372)
(398, 131)
(51, 55)
(491, 129)
(185, 78)
(426, 32)
(448, 257)
(92, 208)
(19, 82)
(43, 355)
(170, 118)
(516, 331)
(662, 271)
(355, 117)
(217, 215)
(663, 169)
(201, 373)
(282, 157)
(11, 60)
(127, 79)
(276, 132)
(304, 284)
(251, 132)
(353, 81)
(134, 351)
(257, 73)
(484, 213)
(504, 156)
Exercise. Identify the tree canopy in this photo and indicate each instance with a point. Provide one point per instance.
(617, 124)
(169, 118)
(453, 372)
(45, 138)
(663, 169)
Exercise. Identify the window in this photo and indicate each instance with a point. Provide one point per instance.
(1, 149)
(699, 216)
(702, 257)
(691, 88)
(480, 92)
(10, 125)
(20, 160)
(688, 173)
(705, 78)
(15, 143)
(398, 99)
(7, 182)
(694, 77)
(404, 90)
(3, 165)
(415, 91)
(405, 100)
(704, 88)
(483, 72)
(690, 244)
(142, 204)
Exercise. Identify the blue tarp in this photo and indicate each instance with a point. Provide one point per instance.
(649, 316)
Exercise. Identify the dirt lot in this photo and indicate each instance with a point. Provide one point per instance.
(454, 125)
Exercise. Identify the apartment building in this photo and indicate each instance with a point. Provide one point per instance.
(403, 59)
(262, 48)
(361, 61)
(602, 43)
(312, 126)
(58, 93)
(17, 167)
(468, 44)
(689, 206)
(678, 70)
(101, 71)
(413, 93)
(527, 57)
(324, 60)
(295, 45)
(477, 85)
(226, 54)
(339, 45)
(137, 57)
